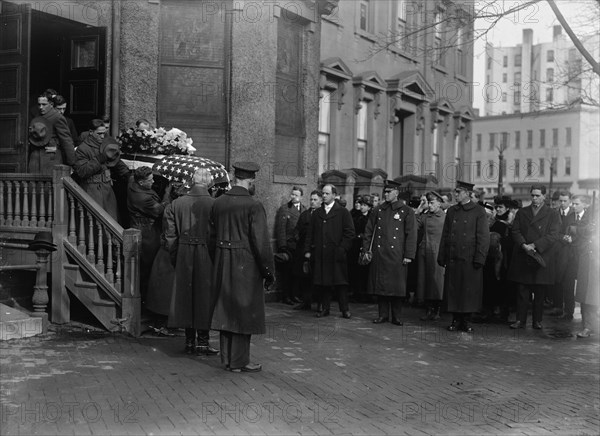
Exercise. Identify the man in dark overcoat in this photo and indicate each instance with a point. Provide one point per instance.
(463, 251)
(392, 228)
(560, 257)
(242, 259)
(328, 242)
(146, 210)
(285, 226)
(534, 232)
(187, 233)
(301, 271)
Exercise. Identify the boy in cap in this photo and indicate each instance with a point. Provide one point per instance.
(242, 257)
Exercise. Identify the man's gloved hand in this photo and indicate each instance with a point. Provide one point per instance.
(269, 280)
(102, 158)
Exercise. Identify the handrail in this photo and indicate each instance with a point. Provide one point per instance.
(94, 208)
(13, 177)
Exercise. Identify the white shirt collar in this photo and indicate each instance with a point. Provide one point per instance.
(329, 206)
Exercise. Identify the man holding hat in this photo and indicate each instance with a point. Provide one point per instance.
(50, 141)
(98, 161)
(242, 258)
(463, 250)
(392, 229)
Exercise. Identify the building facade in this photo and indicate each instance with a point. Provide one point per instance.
(558, 148)
(532, 77)
(395, 94)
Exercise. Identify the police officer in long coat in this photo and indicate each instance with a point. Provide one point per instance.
(463, 250)
(534, 231)
(392, 227)
(242, 259)
(187, 233)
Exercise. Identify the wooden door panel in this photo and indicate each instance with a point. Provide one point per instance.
(15, 29)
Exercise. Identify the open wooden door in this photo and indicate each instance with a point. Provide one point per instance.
(15, 30)
(84, 71)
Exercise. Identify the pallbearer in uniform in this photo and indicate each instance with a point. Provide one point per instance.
(242, 259)
(463, 250)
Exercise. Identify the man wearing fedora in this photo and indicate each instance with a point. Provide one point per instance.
(50, 141)
(98, 162)
(242, 257)
(534, 232)
(463, 250)
(391, 236)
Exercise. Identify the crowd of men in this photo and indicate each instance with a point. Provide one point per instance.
(206, 255)
(477, 261)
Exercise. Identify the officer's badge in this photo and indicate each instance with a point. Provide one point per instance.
(397, 216)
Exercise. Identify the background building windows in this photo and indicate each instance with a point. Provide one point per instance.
(549, 95)
(504, 77)
(517, 60)
(478, 169)
(554, 137)
(530, 139)
(542, 162)
(505, 61)
(517, 139)
(324, 130)
(364, 15)
(568, 139)
(491, 168)
(550, 56)
(517, 169)
(361, 135)
(492, 141)
(479, 142)
(550, 75)
(529, 167)
(542, 138)
(567, 166)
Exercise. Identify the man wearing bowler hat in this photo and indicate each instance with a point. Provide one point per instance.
(242, 257)
(391, 235)
(463, 249)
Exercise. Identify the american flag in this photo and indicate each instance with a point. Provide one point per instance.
(179, 168)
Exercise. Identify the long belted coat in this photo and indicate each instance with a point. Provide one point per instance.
(431, 275)
(187, 236)
(395, 228)
(242, 258)
(465, 243)
(588, 274)
(329, 240)
(42, 162)
(541, 229)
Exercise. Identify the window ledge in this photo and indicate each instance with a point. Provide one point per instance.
(292, 180)
(335, 22)
(462, 78)
(366, 35)
(440, 68)
(403, 53)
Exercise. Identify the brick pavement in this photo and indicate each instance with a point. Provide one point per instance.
(320, 376)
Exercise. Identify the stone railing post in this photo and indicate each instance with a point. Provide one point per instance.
(131, 299)
(60, 310)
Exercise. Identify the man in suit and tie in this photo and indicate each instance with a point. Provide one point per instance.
(534, 231)
(572, 241)
(285, 226)
(561, 251)
(328, 241)
(300, 270)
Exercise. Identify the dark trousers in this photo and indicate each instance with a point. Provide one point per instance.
(384, 302)
(203, 336)
(325, 293)
(523, 294)
(235, 349)
(290, 283)
(461, 318)
(567, 287)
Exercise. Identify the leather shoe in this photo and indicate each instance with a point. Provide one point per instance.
(380, 320)
(585, 333)
(452, 327)
(206, 350)
(296, 300)
(287, 301)
(517, 325)
(251, 367)
(323, 313)
(466, 328)
(397, 322)
(346, 314)
(537, 325)
(302, 306)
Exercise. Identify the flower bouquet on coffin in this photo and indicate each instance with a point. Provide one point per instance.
(144, 147)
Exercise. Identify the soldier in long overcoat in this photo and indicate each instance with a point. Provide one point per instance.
(187, 236)
(430, 274)
(393, 228)
(463, 250)
(97, 163)
(534, 231)
(328, 242)
(59, 149)
(242, 259)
